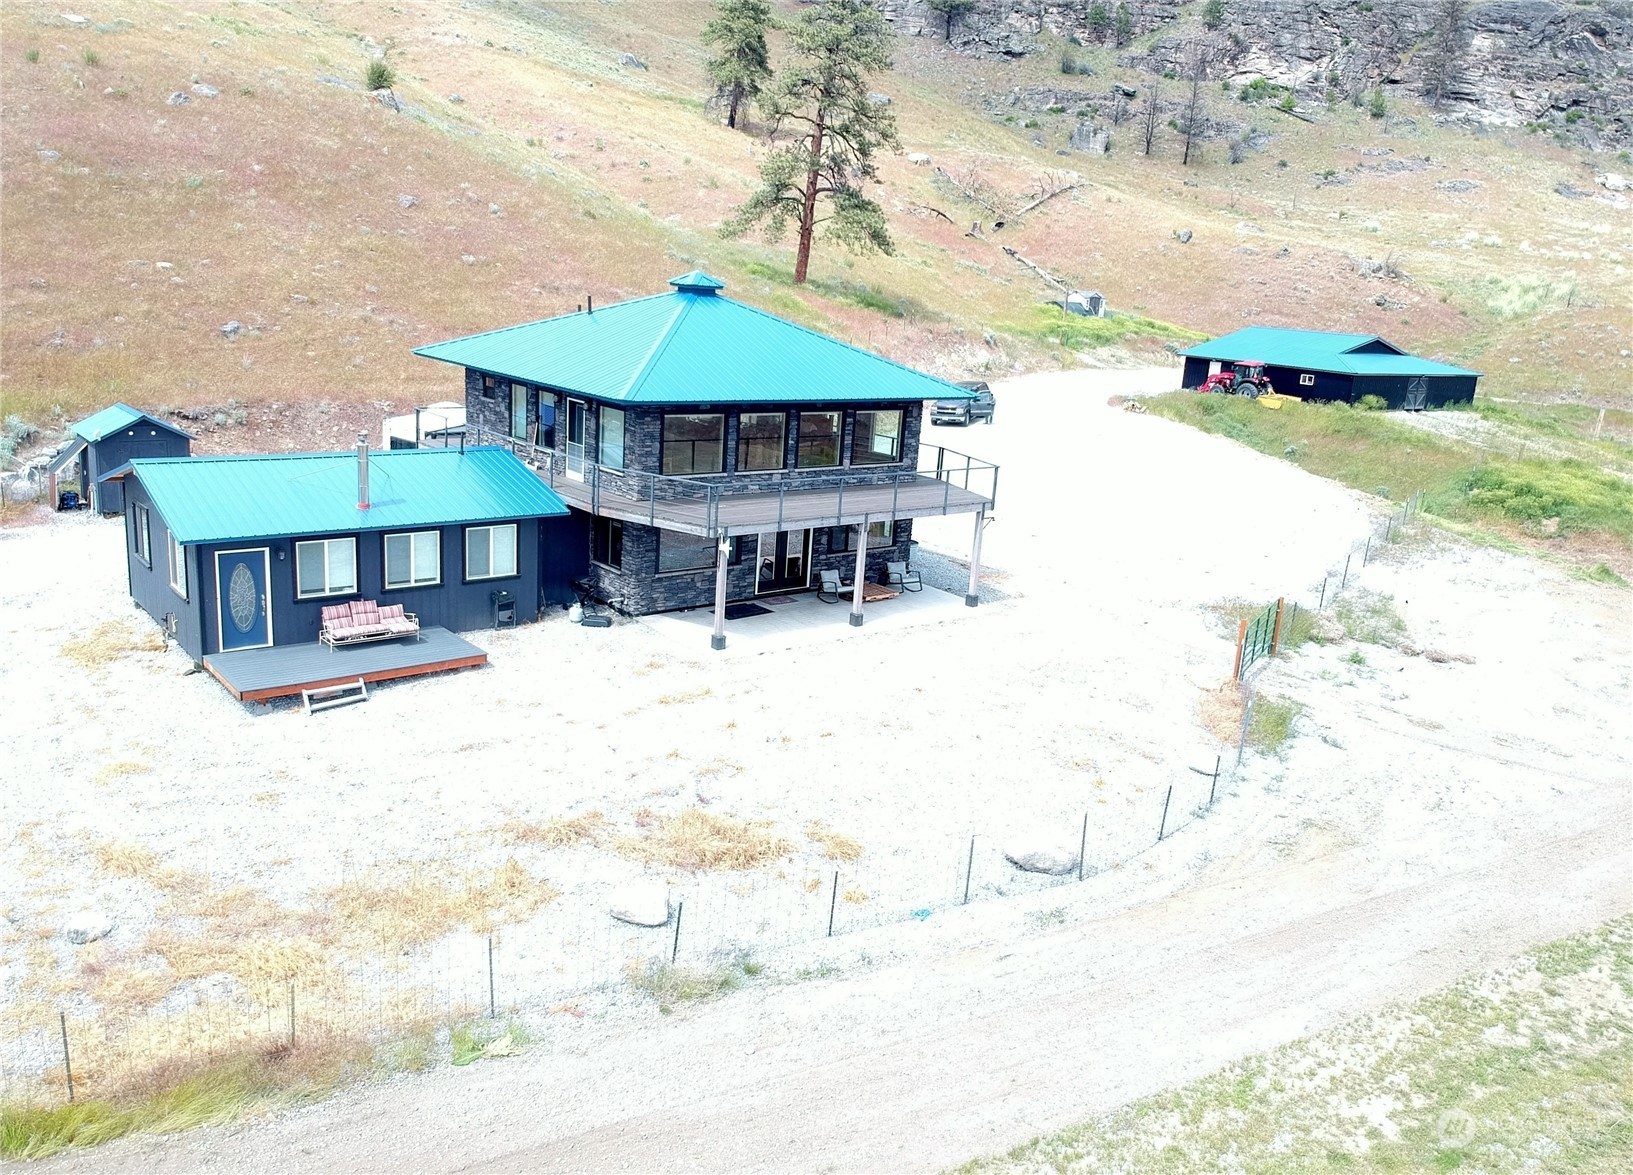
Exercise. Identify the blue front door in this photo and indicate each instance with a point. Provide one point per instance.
(242, 609)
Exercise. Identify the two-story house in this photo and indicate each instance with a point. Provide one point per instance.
(718, 452)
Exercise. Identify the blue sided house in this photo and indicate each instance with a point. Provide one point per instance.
(237, 554)
(102, 443)
(1321, 365)
(716, 452)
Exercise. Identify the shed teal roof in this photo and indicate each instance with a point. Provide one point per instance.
(115, 418)
(692, 346)
(1317, 350)
(226, 499)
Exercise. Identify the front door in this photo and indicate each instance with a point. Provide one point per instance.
(242, 607)
(785, 561)
(576, 413)
(1417, 394)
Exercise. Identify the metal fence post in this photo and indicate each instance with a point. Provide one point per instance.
(67, 1067)
(1322, 603)
(1215, 784)
(1367, 552)
(1241, 639)
(1344, 583)
(1162, 828)
(291, 1013)
(492, 1011)
(833, 905)
(680, 908)
(1247, 718)
(969, 868)
(1083, 846)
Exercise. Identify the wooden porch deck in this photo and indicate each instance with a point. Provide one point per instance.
(281, 671)
(754, 512)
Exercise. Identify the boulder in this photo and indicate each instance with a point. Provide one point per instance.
(204, 91)
(87, 926)
(230, 330)
(631, 61)
(879, 99)
(407, 201)
(1614, 182)
(1183, 236)
(49, 156)
(1042, 852)
(640, 903)
(1095, 140)
(920, 159)
(177, 99)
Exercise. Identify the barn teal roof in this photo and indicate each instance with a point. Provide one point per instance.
(227, 499)
(115, 418)
(691, 346)
(1317, 350)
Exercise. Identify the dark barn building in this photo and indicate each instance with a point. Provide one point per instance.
(103, 443)
(235, 553)
(1320, 365)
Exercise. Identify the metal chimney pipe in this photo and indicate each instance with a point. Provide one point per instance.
(589, 303)
(362, 471)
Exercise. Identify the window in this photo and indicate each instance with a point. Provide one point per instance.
(878, 438)
(489, 384)
(684, 552)
(609, 542)
(545, 429)
(518, 411)
(693, 443)
(880, 534)
(610, 443)
(1306, 380)
(819, 439)
(760, 440)
(141, 534)
(178, 567)
(325, 567)
(413, 559)
(490, 551)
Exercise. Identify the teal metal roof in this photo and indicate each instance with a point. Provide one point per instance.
(115, 418)
(225, 499)
(692, 346)
(1316, 350)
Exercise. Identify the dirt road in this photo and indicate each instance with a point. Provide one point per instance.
(1030, 1037)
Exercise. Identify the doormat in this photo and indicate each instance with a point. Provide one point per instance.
(743, 611)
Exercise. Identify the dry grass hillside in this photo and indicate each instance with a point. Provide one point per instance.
(341, 232)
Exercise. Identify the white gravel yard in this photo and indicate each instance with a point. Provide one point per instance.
(1073, 689)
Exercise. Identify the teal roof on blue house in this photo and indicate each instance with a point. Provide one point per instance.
(690, 346)
(1317, 350)
(115, 418)
(227, 499)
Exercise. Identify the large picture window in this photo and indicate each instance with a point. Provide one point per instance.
(413, 559)
(490, 551)
(693, 443)
(819, 439)
(178, 567)
(610, 442)
(684, 552)
(878, 437)
(325, 567)
(880, 534)
(760, 439)
(609, 542)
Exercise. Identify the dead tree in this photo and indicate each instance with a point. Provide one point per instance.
(1151, 96)
(1445, 50)
(1193, 104)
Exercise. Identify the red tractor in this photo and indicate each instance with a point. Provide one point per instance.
(1246, 379)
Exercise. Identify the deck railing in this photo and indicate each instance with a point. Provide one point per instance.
(593, 483)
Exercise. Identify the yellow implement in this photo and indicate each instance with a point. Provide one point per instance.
(1276, 400)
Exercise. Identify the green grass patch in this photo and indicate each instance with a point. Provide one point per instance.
(1600, 573)
(1075, 332)
(1272, 723)
(487, 1040)
(1523, 1069)
(669, 985)
(1370, 617)
(1369, 450)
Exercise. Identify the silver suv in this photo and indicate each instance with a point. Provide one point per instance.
(965, 411)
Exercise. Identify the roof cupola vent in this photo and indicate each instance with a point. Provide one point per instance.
(697, 282)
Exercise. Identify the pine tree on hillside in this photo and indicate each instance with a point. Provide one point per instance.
(822, 96)
(743, 66)
(1213, 14)
(1123, 31)
(951, 10)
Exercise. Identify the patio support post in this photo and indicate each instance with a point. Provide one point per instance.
(722, 549)
(861, 571)
(973, 596)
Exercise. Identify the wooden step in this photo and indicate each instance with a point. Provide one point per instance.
(331, 696)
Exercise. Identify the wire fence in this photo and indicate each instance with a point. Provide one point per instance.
(548, 962)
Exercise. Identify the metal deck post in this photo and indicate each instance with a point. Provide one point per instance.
(861, 572)
(722, 549)
(973, 596)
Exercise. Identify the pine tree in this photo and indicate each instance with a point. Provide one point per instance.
(951, 10)
(743, 66)
(1099, 20)
(1213, 13)
(1124, 29)
(823, 95)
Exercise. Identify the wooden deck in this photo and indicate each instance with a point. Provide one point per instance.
(258, 675)
(768, 510)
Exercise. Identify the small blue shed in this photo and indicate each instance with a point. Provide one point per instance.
(102, 443)
(231, 553)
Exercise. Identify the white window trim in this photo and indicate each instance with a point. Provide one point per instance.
(901, 438)
(1306, 380)
(178, 567)
(515, 553)
(349, 590)
(385, 561)
(142, 540)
